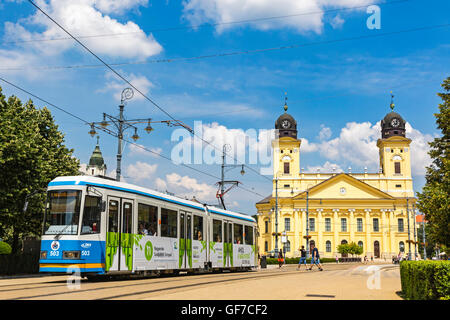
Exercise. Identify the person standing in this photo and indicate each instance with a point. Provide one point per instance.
(280, 258)
(315, 258)
(302, 258)
(337, 259)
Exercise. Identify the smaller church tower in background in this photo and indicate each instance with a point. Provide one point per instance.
(96, 166)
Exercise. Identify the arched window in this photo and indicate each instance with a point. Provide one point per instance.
(361, 244)
(401, 245)
(266, 246)
(344, 242)
(328, 246)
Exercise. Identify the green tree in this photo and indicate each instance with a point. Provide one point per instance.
(434, 200)
(32, 153)
(355, 249)
(343, 249)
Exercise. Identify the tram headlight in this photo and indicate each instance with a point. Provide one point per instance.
(43, 254)
(71, 254)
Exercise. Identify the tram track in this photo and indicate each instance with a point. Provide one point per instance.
(160, 285)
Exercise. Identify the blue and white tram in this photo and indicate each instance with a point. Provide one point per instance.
(101, 226)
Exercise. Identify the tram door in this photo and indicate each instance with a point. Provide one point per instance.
(119, 241)
(228, 244)
(185, 258)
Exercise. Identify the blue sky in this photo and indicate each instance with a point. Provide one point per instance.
(337, 90)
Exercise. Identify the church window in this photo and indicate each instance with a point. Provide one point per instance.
(287, 246)
(360, 244)
(359, 224)
(287, 185)
(287, 224)
(290, 151)
(397, 167)
(286, 167)
(401, 245)
(266, 226)
(328, 246)
(343, 225)
(266, 246)
(376, 226)
(398, 185)
(312, 225)
(328, 224)
(401, 226)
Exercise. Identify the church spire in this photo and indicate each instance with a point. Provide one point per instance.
(285, 102)
(392, 102)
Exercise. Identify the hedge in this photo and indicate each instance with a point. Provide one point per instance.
(12, 264)
(5, 248)
(425, 280)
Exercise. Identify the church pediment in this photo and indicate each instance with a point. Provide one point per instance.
(344, 186)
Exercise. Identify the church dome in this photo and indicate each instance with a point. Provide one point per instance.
(96, 158)
(393, 124)
(286, 124)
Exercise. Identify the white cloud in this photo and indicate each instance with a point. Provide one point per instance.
(327, 167)
(118, 6)
(85, 18)
(222, 11)
(325, 132)
(141, 170)
(138, 149)
(185, 186)
(116, 85)
(337, 22)
(357, 146)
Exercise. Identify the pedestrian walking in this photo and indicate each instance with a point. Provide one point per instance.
(371, 258)
(315, 258)
(365, 259)
(337, 259)
(280, 258)
(302, 258)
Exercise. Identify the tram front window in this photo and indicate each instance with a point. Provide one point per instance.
(63, 213)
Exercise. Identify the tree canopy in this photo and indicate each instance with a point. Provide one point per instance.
(434, 199)
(32, 153)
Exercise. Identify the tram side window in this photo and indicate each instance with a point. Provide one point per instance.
(238, 233)
(198, 228)
(217, 230)
(147, 219)
(248, 235)
(168, 223)
(91, 215)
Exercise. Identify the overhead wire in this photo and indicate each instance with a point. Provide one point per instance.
(231, 53)
(208, 25)
(134, 87)
(115, 135)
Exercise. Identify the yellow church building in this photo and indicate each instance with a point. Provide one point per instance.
(369, 209)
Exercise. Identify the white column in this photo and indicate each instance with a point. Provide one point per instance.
(320, 246)
(335, 231)
(369, 244)
(351, 225)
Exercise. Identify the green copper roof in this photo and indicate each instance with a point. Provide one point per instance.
(96, 158)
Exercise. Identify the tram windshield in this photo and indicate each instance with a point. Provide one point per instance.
(63, 213)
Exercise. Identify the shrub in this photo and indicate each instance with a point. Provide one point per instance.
(5, 248)
(425, 280)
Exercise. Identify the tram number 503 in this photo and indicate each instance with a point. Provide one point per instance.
(85, 253)
(246, 309)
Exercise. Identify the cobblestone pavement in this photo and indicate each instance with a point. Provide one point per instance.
(378, 281)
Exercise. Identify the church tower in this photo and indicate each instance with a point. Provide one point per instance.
(286, 150)
(395, 151)
(97, 166)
